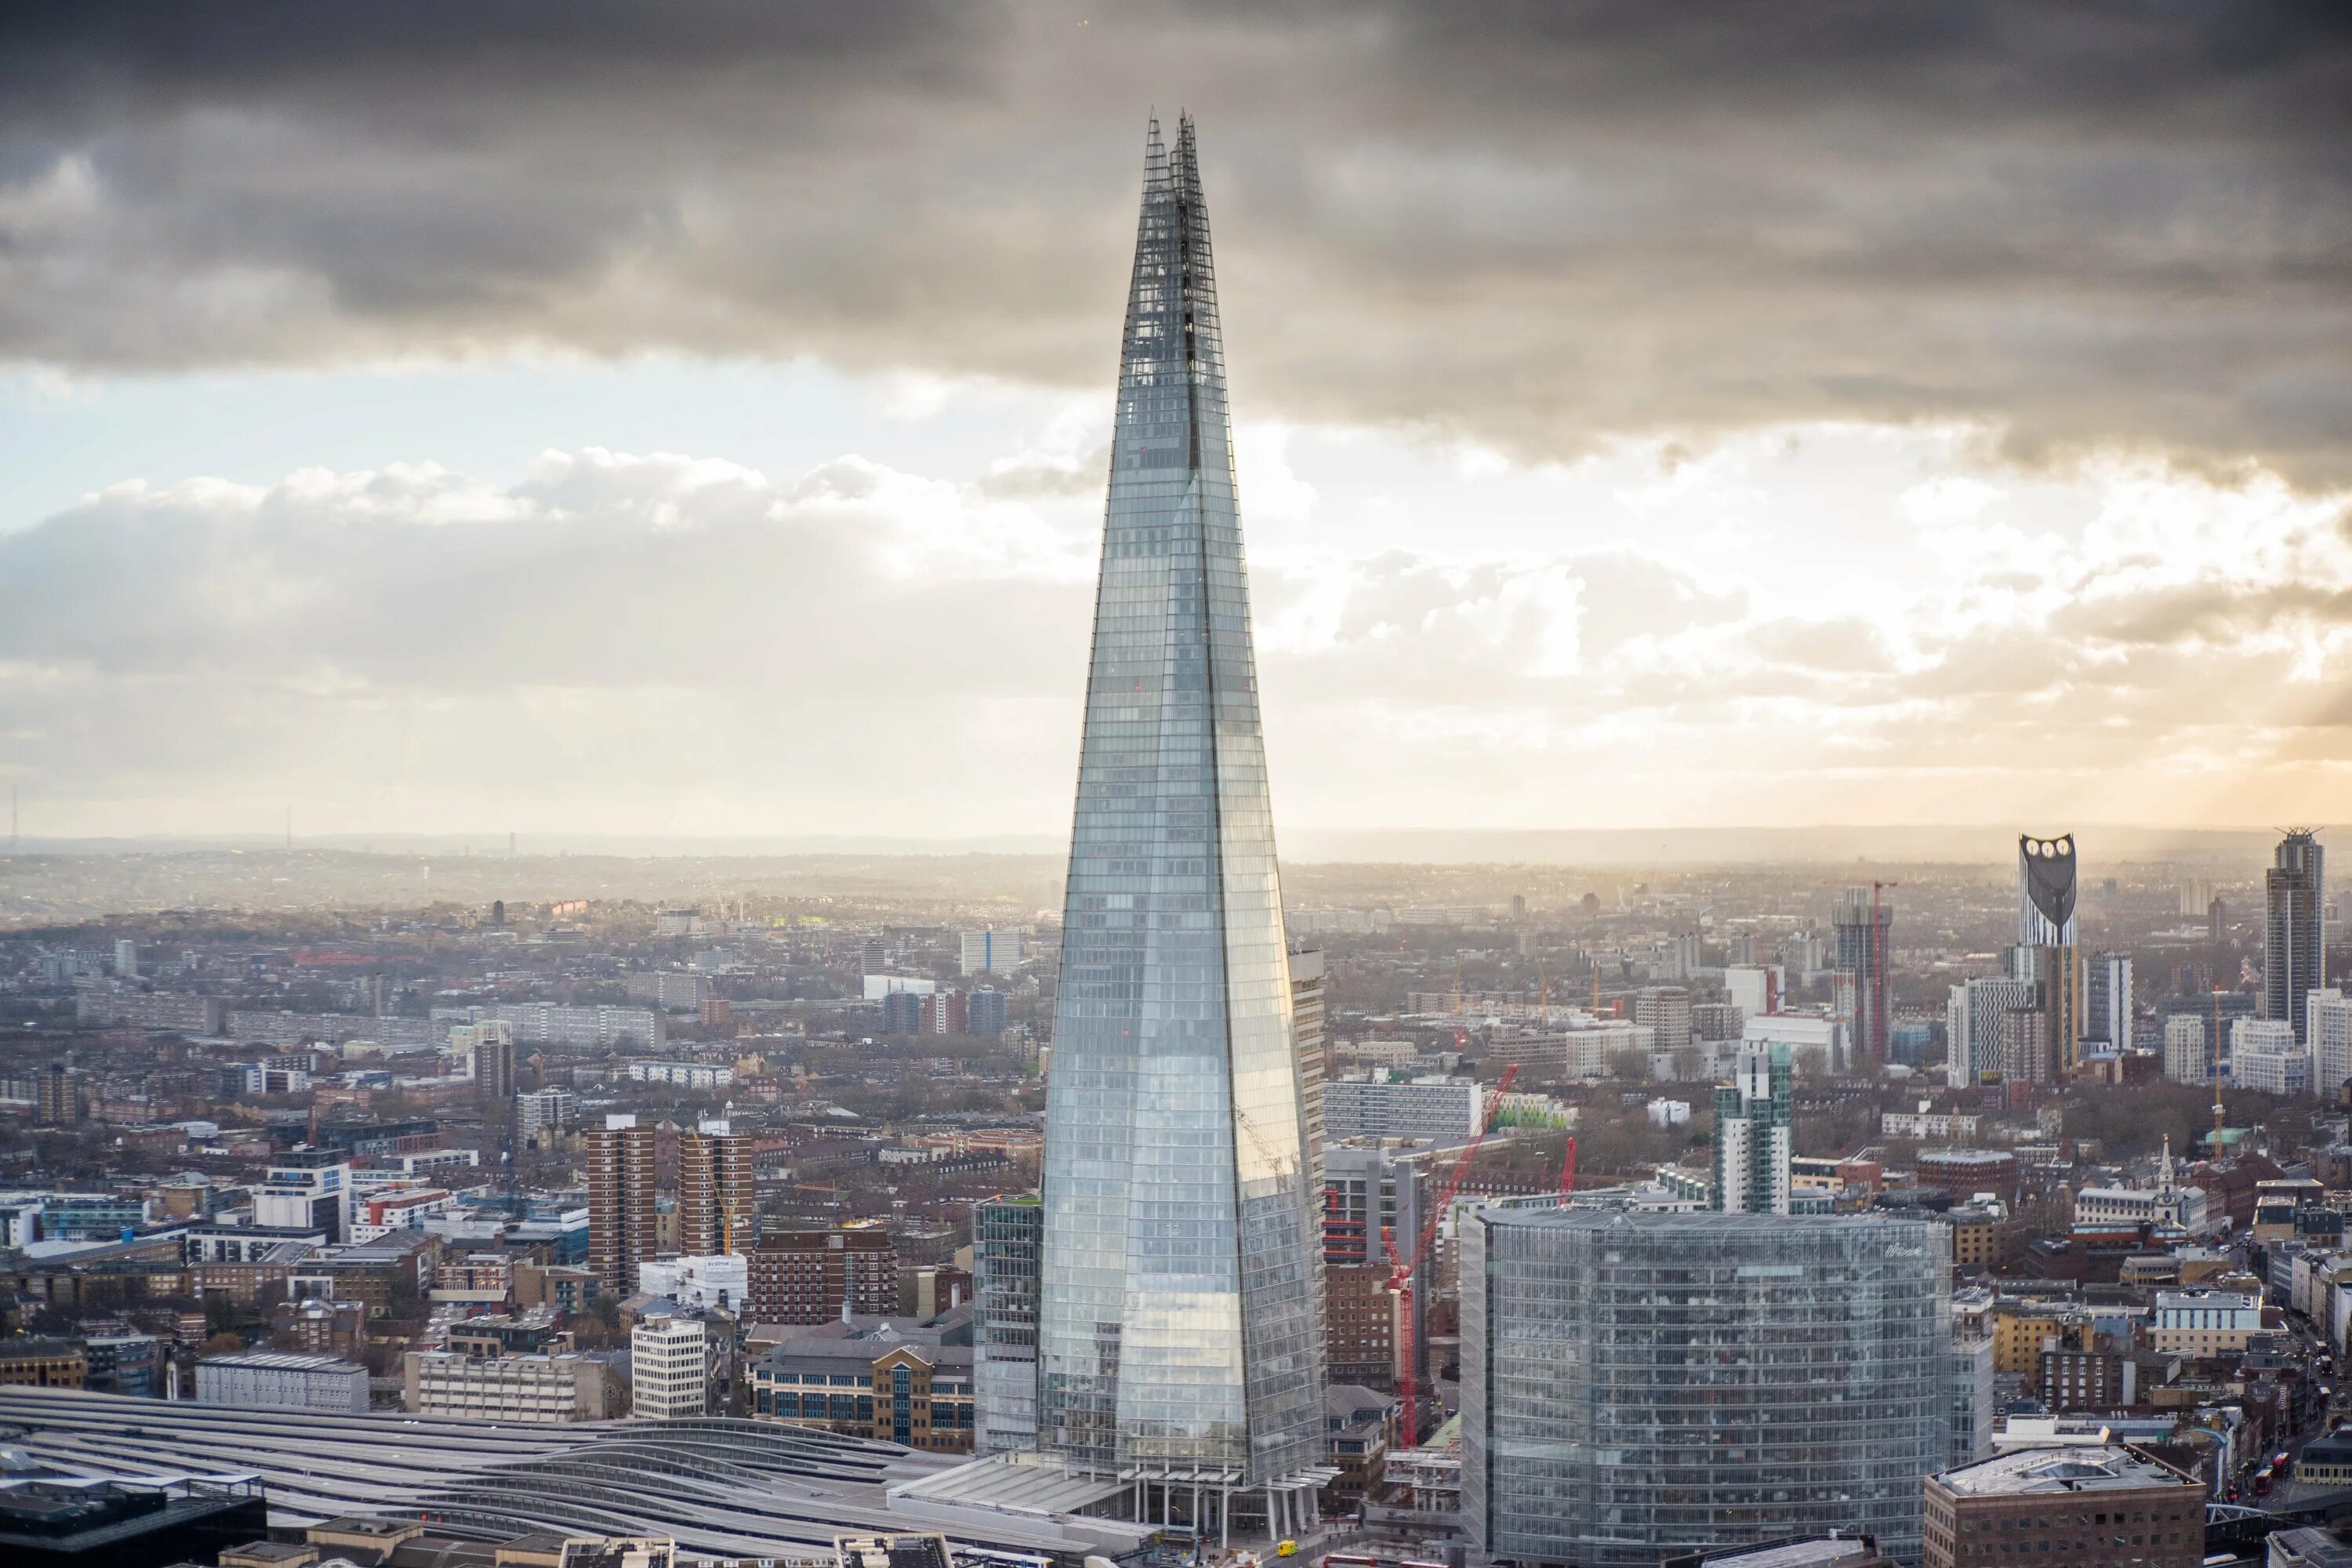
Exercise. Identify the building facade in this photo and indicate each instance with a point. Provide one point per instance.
(2094, 1506)
(1006, 1236)
(2186, 1057)
(1754, 1134)
(282, 1379)
(717, 1209)
(2265, 1055)
(620, 1158)
(1863, 927)
(670, 1368)
(1181, 1320)
(2294, 906)
(814, 1276)
(1637, 1385)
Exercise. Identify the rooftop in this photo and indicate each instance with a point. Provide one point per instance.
(2110, 1468)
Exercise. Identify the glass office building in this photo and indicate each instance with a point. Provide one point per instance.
(1637, 1386)
(1180, 1315)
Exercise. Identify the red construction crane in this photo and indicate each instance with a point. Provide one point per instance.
(1402, 1274)
(1567, 1171)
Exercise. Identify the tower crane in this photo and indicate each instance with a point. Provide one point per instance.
(1402, 1273)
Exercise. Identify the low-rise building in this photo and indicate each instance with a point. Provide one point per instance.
(898, 1379)
(536, 1388)
(281, 1379)
(670, 1368)
(2203, 1322)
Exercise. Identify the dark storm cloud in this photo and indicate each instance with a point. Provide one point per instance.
(1527, 225)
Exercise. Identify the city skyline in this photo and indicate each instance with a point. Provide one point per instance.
(1857, 435)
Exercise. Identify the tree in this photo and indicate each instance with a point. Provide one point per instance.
(1811, 1061)
(1630, 1067)
(221, 1344)
(1687, 1063)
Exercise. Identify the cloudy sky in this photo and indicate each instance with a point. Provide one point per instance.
(691, 419)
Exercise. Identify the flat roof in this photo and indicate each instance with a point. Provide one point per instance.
(2110, 1468)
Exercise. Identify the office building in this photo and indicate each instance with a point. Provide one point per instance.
(902, 1380)
(42, 1363)
(1006, 1236)
(1863, 927)
(716, 1208)
(2085, 1505)
(1194, 1342)
(2107, 999)
(814, 1276)
(2327, 1020)
(532, 1388)
(992, 951)
(2264, 1055)
(986, 1013)
(1754, 1133)
(253, 1380)
(2186, 1058)
(2045, 892)
(2294, 906)
(670, 1368)
(1429, 1108)
(620, 1159)
(2203, 1322)
(1637, 1385)
(306, 1190)
(124, 1363)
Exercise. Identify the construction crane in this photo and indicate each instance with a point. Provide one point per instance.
(1402, 1274)
(1568, 1174)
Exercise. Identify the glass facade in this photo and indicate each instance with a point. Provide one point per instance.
(1179, 1307)
(1638, 1385)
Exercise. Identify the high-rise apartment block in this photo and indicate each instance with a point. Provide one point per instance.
(2294, 952)
(620, 1158)
(1667, 1010)
(1972, 1027)
(814, 1276)
(1638, 1385)
(1863, 927)
(985, 1014)
(306, 1189)
(2188, 1054)
(2107, 999)
(1006, 1234)
(2327, 1021)
(2264, 1055)
(58, 1100)
(1314, 1052)
(718, 1211)
(2045, 953)
(1180, 1330)
(1372, 1196)
(1754, 1133)
(992, 951)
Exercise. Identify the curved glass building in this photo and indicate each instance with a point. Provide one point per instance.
(1179, 1305)
(1639, 1385)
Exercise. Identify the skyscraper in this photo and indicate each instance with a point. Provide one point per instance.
(1754, 1134)
(1179, 1325)
(2045, 892)
(2107, 999)
(1862, 926)
(2294, 893)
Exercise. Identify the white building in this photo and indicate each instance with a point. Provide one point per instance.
(1442, 1110)
(669, 1369)
(2186, 1057)
(1799, 1031)
(1972, 1027)
(541, 1388)
(2328, 1018)
(2264, 1055)
(2203, 1322)
(1928, 1126)
(556, 1109)
(682, 1074)
(992, 951)
(466, 1040)
(1668, 1112)
(1754, 989)
(720, 1280)
(279, 1380)
(306, 1192)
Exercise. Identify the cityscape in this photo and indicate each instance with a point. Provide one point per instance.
(1509, 1158)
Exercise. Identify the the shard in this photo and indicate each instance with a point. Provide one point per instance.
(1179, 1316)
